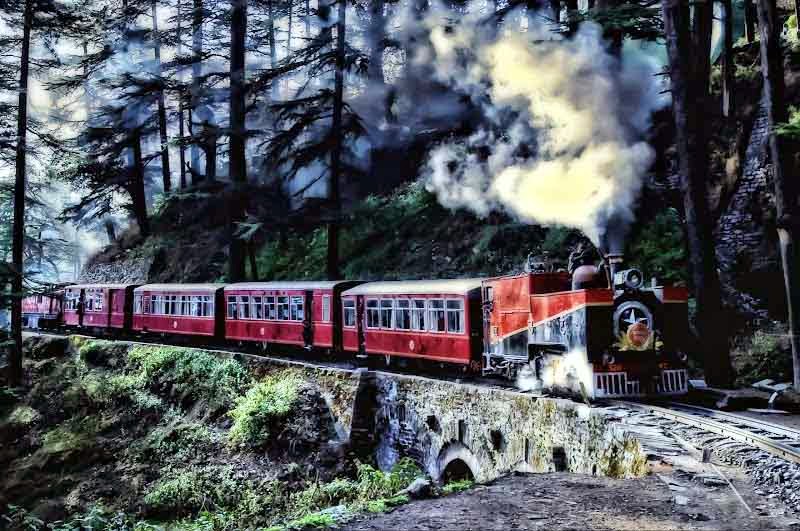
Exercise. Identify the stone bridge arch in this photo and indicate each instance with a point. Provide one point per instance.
(456, 461)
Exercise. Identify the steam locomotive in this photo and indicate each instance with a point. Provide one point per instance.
(597, 332)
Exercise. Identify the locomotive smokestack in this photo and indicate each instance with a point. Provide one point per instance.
(615, 261)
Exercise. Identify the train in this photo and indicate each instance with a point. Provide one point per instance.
(597, 332)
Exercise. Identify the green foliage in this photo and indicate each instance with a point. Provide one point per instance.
(177, 440)
(371, 490)
(23, 416)
(312, 521)
(764, 354)
(658, 248)
(265, 403)
(189, 373)
(74, 435)
(16, 517)
(186, 490)
(791, 128)
(458, 486)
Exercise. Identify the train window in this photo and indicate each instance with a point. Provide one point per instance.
(402, 314)
(195, 306)
(418, 314)
(138, 304)
(258, 309)
(174, 305)
(373, 314)
(232, 308)
(146, 304)
(436, 315)
(349, 312)
(455, 316)
(283, 308)
(89, 302)
(296, 310)
(208, 306)
(488, 294)
(326, 308)
(271, 312)
(244, 307)
(387, 309)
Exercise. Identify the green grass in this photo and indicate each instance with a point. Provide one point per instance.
(264, 404)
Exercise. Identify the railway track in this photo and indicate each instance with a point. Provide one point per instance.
(775, 439)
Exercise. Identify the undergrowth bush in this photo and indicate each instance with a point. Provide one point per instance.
(457, 486)
(187, 490)
(188, 373)
(264, 404)
(372, 490)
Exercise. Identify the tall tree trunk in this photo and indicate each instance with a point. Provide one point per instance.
(307, 20)
(238, 167)
(783, 174)
(197, 72)
(237, 135)
(728, 64)
(749, 21)
(377, 36)
(162, 110)
(251, 253)
(336, 151)
(614, 35)
(689, 95)
(111, 232)
(138, 196)
(181, 129)
(273, 49)
(555, 8)
(572, 13)
(18, 231)
(210, 136)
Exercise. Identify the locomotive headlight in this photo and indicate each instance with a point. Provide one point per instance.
(628, 279)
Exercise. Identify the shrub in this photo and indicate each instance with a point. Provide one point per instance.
(458, 486)
(187, 490)
(190, 373)
(264, 404)
(370, 490)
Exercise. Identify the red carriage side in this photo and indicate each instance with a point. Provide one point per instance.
(437, 320)
(98, 305)
(187, 309)
(41, 310)
(302, 313)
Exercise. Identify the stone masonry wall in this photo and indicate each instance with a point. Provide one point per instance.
(496, 431)
(741, 237)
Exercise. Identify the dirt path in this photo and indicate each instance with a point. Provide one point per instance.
(563, 501)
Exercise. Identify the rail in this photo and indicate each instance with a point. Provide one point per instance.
(772, 438)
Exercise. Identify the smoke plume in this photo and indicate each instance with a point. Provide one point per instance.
(561, 138)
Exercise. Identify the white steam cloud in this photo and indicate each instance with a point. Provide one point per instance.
(561, 140)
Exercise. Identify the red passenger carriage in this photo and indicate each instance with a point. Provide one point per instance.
(98, 305)
(304, 313)
(437, 320)
(187, 309)
(42, 310)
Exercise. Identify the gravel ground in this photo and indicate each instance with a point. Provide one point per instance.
(563, 501)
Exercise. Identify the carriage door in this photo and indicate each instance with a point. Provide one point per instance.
(362, 340)
(110, 301)
(81, 306)
(308, 319)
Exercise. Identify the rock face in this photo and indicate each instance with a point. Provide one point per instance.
(124, 270)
